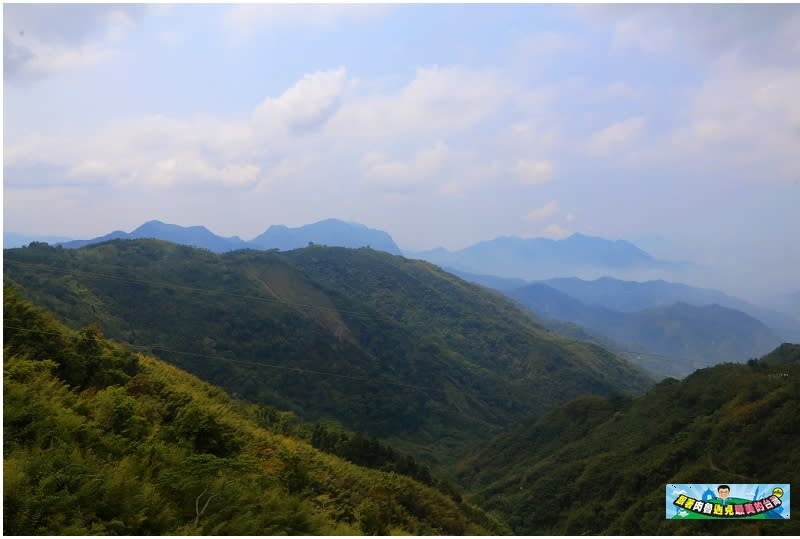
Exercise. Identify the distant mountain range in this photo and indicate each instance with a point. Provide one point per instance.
(196, 236)
(505, 257)
(535, 258)
(630, 296)
(489, 281)
(651, 319)
(788, 304)
(12, 239)
(503, 263)
(688, 337)
(332, 232)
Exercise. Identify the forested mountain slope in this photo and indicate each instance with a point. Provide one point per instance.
(599, 465)
(100, 440)
(682, 337)
(387, 346)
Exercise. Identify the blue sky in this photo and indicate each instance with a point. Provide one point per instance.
(441, 124)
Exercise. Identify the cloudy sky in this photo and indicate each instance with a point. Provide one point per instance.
(676, 127)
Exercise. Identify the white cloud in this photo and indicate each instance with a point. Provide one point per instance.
(239, 175)
(380, 170)
(326, 118)
(194, 170)
(741, 115)
(91, 168)
(430, 160)
(545, 212)
(554, 231)
(452, 187)
(436, 100)
(170, 38)
(307, 105)
(70, 24)
(618, 90)
(61, 200)
(379, 166)
(534, 172)
(543, 44)
(287, 168)
(757, 34)
(243, 22)
(40, 40)
(530, 53)
(474, 174)
(640, 31)
(615, 137)
(30, 60)
(153, 151)
(163, 151)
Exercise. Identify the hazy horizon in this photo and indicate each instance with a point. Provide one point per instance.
(443, 125)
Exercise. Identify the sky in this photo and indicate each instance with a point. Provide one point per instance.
(676, 127)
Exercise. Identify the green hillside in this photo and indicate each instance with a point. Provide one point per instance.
(599, 465)
(681, 337)
(384, 345)
(100, 440)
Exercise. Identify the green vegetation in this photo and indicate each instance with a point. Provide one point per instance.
(599, 465)
(681, 337)
(101, 440)
(323, 341)
(391, 347)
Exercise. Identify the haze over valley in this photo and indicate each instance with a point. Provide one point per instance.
(399, 269)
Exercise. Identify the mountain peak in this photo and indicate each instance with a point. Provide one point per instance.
(537, 258)
(332, 232)
(338, 222)
(580, 236)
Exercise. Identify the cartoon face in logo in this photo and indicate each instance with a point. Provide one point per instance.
(691, 501)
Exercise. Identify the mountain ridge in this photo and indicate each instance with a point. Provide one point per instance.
(598, 465)
(537, 258)
(472, 361)
(332, 232)
(691, 336)
(327, 232)
(627, 296)
(14, 239)
(101, 440)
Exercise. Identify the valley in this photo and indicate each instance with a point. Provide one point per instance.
(388, 346)
(389, 365)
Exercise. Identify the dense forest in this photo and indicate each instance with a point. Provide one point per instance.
(681, 337)
(99, 439)
(367, 393)
(599, 465)
(387, 346)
